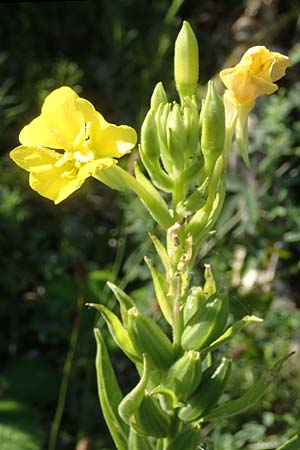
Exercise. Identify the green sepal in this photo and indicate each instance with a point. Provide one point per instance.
(152, 200)
(213, 128)
(124, 300)
(159, 96)
(160, 287)
(147, 337)
(207, 325)
(291, 444)
(184, 375)
(110, 395)
(138, 441)
(209, 391)
(230, 332)
(118, 332)
(162, 253)
(130, 404)
(186, 440)
(194, 303)
(150, 419)
(249, 398)
(241, 133)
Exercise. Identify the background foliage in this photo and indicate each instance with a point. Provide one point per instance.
(53, 258)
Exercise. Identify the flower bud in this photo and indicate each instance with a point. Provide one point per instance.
(159, 96)
(213, 128)
(186, 61)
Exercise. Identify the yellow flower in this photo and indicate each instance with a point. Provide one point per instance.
(254, 75)
(67, 143)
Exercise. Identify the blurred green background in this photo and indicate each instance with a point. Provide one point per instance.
(54, 258)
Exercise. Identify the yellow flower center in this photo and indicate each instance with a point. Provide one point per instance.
(76, 153)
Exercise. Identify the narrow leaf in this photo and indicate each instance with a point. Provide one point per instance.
(291, 444)
(118, 332)
(158, 281)
(110, 395)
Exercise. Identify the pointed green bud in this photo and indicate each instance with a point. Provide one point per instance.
(176, 136)
(186, 61)
(213, 128)
(159, 96)
(185, 375)
(150, 153)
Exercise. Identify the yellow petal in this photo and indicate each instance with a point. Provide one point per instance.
(59, 123)
(114, 141)
(84, 172)
(33, 158)
(244, 86)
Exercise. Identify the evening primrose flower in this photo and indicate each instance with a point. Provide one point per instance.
(68, 142)
(253, 76)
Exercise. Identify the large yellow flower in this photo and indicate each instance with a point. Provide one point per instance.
(67, 143)
(254, 75)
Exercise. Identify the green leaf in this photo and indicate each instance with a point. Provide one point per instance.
(231, 331)
(246, 401)
(118, 332)
(20, 428)
(291, 444)
(159, 281)
(110, 395)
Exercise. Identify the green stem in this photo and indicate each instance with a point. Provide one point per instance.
(65, 378)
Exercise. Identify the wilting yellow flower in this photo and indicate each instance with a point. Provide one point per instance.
(67, 143)
(254, 75)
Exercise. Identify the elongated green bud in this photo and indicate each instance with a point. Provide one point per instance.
(186, 61)
(213, 128)
(150, 153)
(186, 440)
(159, 96)
(213, 383)
(176, 136)
(206, 326)
(150, 419)
(185, 375)
(147, 337)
